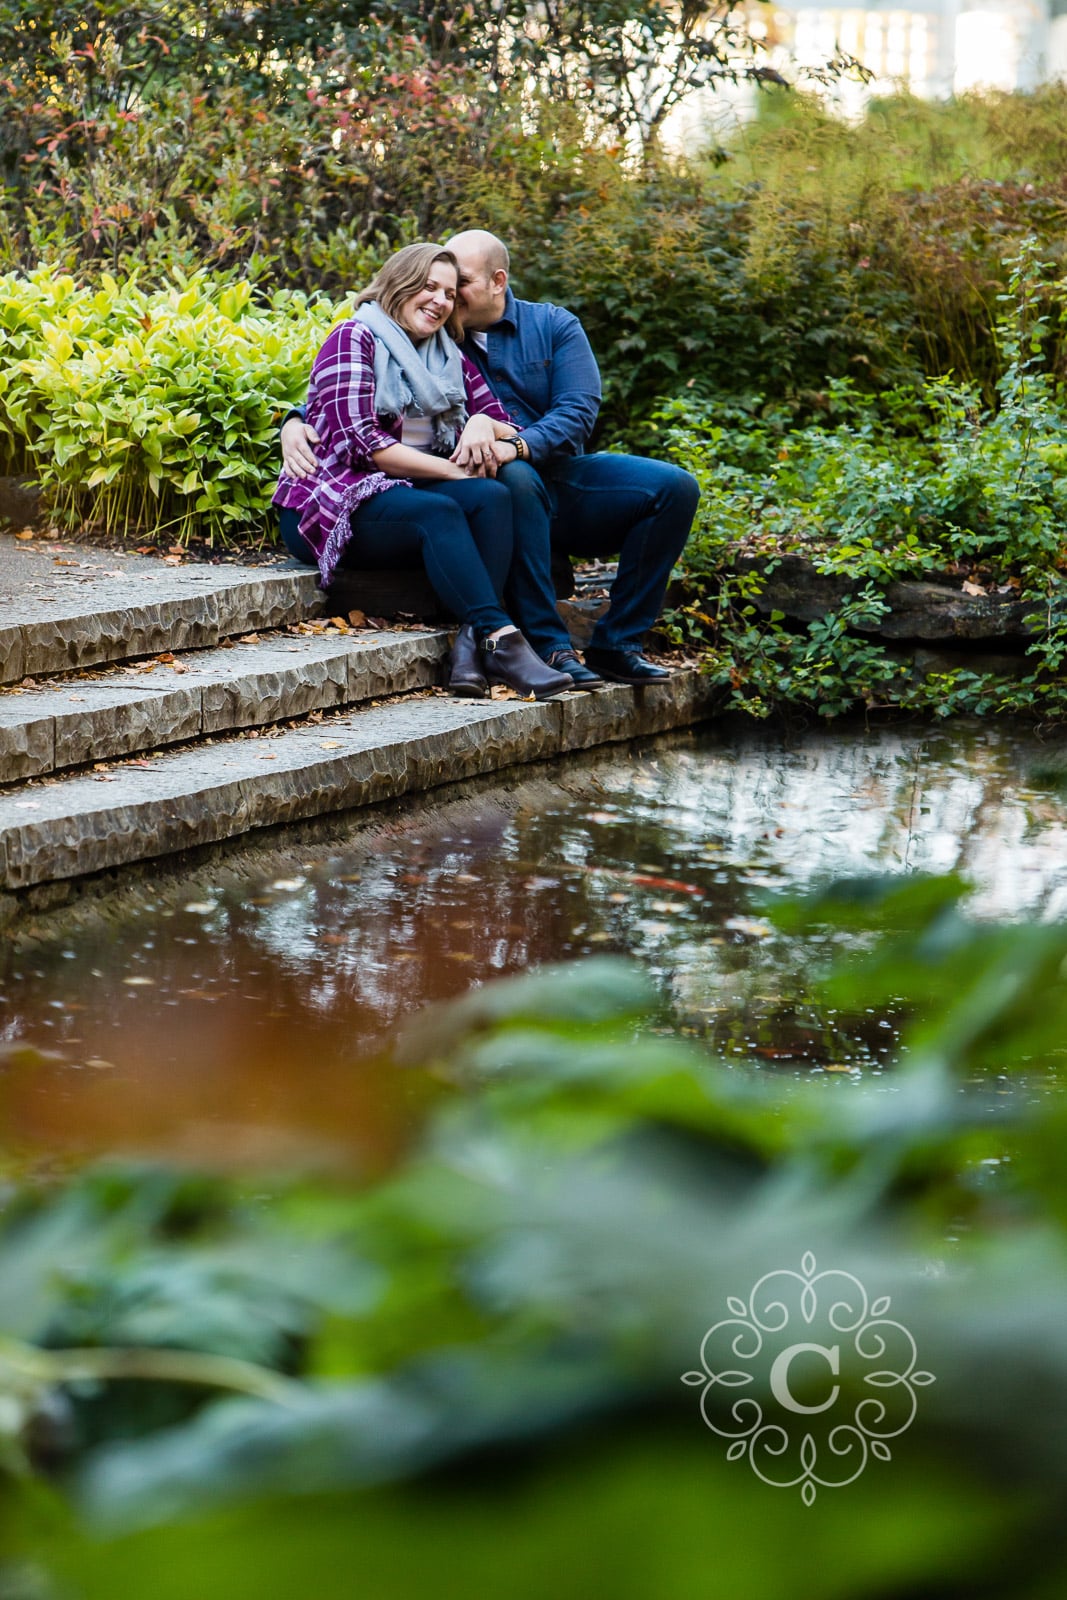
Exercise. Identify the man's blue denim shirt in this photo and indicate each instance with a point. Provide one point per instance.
(541, 367)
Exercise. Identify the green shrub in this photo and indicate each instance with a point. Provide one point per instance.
(152, 410)
(905, 484)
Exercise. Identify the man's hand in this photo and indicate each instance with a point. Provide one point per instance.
(298, 458)
(475, 451)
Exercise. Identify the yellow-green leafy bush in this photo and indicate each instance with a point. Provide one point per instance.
(152, 409)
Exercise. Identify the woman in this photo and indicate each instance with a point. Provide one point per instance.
(391, 397)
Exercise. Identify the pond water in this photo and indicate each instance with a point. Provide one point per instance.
(250, 1017)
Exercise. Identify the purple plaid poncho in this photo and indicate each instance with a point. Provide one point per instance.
(341, 409)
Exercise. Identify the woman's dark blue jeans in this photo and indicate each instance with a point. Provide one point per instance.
(459, 529)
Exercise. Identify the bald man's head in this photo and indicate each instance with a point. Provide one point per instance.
(483, 247)
(483, 277)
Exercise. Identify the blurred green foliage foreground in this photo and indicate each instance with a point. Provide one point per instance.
(469, 1379)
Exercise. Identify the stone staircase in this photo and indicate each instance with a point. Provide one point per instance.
(146, 709)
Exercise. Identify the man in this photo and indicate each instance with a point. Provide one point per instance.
(540, 365)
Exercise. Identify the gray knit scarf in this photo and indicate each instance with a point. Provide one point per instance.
(427, 380)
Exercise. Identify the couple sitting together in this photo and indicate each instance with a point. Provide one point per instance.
(473, 463)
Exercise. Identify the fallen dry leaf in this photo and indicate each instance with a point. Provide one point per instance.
(358, 619)
(330, 744)
(973, 589)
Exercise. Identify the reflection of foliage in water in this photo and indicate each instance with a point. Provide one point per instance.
(485, 1352)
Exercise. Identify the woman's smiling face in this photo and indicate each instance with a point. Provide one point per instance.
(431, 306)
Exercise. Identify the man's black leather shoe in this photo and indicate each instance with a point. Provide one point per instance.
(580, 675)
(625, 666)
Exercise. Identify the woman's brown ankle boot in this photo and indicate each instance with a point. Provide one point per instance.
(509, 659)
(465, 675)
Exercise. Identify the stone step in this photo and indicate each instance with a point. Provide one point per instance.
(246, 684)
(55, 829)
(83, 606)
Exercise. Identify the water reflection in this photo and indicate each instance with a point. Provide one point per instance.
(252, 1017)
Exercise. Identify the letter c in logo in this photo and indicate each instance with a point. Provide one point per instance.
(780, 1375)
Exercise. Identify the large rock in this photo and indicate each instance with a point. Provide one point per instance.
(934, 609)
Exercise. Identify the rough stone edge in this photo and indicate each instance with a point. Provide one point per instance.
(193, 621)
(167, 716)
(531, 734)
(43, 913)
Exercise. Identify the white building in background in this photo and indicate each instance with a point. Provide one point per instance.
(947, 47)
(940, 49)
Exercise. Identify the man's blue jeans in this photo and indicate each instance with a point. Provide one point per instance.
(598, 505)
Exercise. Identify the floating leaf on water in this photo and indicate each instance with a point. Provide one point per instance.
(100, 1065)
(200, 908)
(20, 1053)
(140, 983)
(601, 816)
(750, 927)
(288, 883)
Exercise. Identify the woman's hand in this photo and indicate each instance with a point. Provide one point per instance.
(402, 461)
(474, 450)
(298, 457)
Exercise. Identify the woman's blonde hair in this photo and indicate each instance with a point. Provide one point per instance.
(403, 275)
